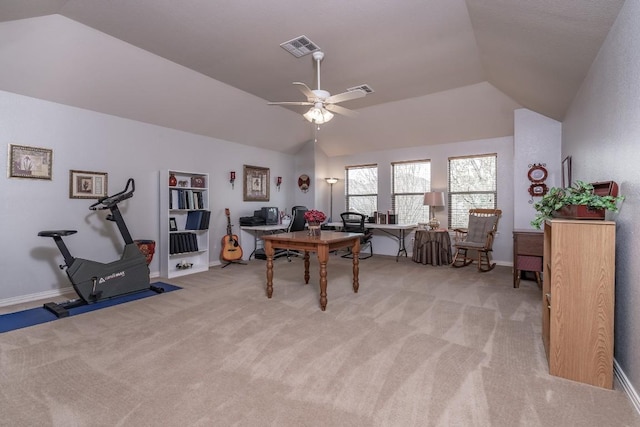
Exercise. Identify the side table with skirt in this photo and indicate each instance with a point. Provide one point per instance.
(432, 247)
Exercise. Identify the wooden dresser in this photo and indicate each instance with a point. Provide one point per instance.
(578, 299)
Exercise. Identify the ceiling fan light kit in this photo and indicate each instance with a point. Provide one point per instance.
(318, 115)
(322, 103)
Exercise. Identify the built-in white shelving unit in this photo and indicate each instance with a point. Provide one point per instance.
(184, 223)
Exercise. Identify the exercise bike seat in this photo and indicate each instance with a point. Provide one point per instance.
(57, 233)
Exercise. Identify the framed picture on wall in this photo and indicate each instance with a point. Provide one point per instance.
(255, 183)
(566, 172)
(87, 185)
(30, 162)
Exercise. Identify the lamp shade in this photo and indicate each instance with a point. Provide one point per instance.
(434, 198)
(331, 180)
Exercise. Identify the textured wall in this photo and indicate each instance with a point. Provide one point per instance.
(601, 133)
(537, 139)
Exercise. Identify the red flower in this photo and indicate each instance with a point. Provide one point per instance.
(314, 216)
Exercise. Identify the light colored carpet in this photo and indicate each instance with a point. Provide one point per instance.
(416, 346)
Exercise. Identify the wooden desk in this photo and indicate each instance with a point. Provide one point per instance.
(432, 247)
(328, 241)
(527, 254)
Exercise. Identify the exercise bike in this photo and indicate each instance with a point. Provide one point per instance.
(95, 281)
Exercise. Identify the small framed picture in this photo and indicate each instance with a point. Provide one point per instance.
(87, 185)
(173, 225)
(30, 162)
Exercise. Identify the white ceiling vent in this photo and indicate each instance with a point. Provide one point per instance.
(300, 46)
(364, 87)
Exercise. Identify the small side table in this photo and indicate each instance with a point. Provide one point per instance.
(432, 247)
(527, 254)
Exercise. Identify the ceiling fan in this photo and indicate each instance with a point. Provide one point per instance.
(322, 103)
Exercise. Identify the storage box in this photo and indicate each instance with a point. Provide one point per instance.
(605, 188)
(197, 181)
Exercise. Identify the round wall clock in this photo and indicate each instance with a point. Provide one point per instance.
(304, 182)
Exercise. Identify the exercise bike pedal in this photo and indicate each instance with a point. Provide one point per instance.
(96, 296)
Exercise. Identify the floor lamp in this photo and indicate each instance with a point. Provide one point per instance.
(331, 181)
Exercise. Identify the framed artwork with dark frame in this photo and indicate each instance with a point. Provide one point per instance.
(87, 185)
(30, 162)
(566, 172)
(255, 184)
(173, 225)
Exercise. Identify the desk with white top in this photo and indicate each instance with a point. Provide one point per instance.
(397, 231)
(256, 231)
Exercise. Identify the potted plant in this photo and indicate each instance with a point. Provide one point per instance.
(578, 201)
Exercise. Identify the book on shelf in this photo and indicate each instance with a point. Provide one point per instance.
(186, 199)
(182, 243)
(198, 220)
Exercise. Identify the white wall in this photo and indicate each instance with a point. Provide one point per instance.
(85, 140)
(601, 132)
(438, 154)
(537, 140)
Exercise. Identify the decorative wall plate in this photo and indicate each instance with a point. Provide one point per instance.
(537, 173)
(538, 190)
(304, 182)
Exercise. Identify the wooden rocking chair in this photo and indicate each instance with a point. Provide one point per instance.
(477, 238)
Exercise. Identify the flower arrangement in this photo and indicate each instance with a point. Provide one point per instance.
(314, 217)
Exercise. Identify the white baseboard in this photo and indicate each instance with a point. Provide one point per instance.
(627, 386)
(45, 295)
(37, 296)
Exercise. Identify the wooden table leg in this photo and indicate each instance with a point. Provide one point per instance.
(323, 258)
(268, 250)
(356, 266)
(306, 267)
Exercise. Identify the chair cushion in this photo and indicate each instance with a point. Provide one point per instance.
(479, 228)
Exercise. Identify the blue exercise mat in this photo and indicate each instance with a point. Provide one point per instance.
(35, 316)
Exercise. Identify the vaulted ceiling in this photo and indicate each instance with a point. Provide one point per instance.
(441, 70)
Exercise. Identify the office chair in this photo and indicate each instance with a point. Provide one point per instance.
(353, 222)
(297, 224)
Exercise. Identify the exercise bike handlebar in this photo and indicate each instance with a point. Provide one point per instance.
(110, 201)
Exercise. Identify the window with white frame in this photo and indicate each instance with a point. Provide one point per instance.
(473, 184)
(409, 181)
(361, 188)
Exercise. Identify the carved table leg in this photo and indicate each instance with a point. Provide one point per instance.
(306, 267)
(323, 257)
(356, 266)
(268, 250)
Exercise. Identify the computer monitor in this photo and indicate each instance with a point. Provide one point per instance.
(270, 214)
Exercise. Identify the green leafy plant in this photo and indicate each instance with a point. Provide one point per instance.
(580, 193)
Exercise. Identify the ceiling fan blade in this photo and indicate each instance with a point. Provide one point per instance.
(341, 110)
(346, 96)
(290, 103)
(305, 89)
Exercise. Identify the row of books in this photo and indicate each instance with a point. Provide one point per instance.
(186, 199)
(182, 243)
(197, 220)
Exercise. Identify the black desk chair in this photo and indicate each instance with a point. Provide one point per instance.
(353, 222)
(297, 224)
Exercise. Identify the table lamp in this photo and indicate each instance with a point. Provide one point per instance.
(433, 199)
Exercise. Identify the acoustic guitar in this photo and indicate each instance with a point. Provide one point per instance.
(231, 250)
